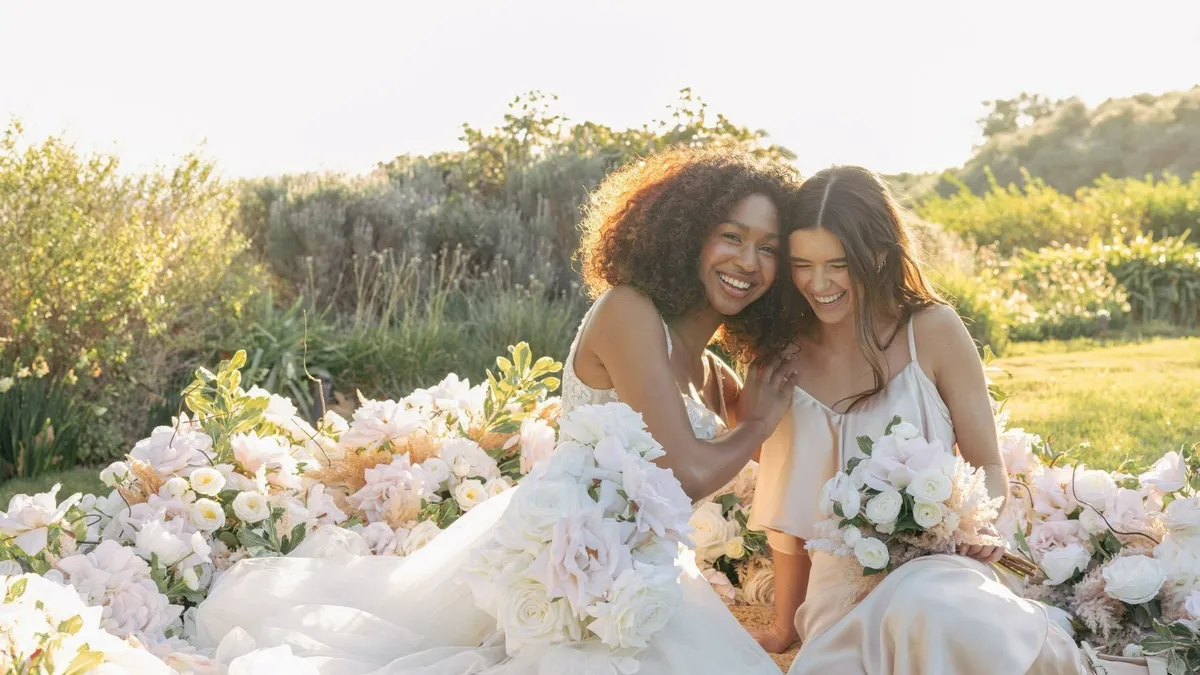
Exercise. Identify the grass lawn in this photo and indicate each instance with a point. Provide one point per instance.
(76, 480)
(1133, 401)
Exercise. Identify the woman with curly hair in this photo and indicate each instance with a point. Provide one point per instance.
(674, 249)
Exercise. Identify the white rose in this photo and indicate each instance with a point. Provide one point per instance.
(420, 535)
(930, 485)
(851, 535)
(536, 508)
(886, 528)
(155, 539)
(207, 514)
(177, 487)
(114, 474)
(207, 481)
(1093, 487)
(1061, 564)
(872, 553)
(1134, 579)
(469, 494)
(884, 507)
(497, 485)
(1016, 449)
(1052, 534)
(1192, 604)
(1092, 521)
(711, 531)
(928, 514)
(438, 470)
(1132, 651)
(735, 549)
(640, 604)
(1180, 558)
(251, 507)
(529, 617)
(905, 431)
(1183, 516)
(1167, 475)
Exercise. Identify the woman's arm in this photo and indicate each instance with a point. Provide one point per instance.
(792, 567)
(625, 334)
(949, 351)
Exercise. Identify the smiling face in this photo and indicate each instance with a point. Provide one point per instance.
(738, 263)
(821, 272)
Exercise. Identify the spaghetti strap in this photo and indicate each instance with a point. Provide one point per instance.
(667, 330)
(912, 340)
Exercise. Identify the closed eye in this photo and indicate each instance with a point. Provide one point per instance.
(733, 237)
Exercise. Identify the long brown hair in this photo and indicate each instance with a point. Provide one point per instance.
(858, 207)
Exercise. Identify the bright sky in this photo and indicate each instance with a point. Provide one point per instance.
(272, 87)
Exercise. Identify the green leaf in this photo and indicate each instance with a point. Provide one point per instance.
(1181, 630)
(85, 661)
(238, 360)
(1177, 666)
(865, 444)
(869, 572)
(503, 364)
(251, 539)
(888, 429)
(16, 590)
(727, 502)
(1157, 644)
(71, 626)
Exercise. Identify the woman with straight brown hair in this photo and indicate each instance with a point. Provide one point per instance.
(872, 340)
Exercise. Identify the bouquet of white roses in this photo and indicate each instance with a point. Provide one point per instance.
(586, 549)
(906, 498)
(732, 557)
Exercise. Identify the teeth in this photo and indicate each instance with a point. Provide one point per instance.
(829, 299)
(736, 283)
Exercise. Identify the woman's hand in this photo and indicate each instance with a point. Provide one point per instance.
(767, 393)
(989, 554)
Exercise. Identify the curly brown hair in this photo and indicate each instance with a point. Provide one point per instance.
(646, 223)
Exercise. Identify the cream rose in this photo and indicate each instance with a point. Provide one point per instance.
(1061, 564)
(871, 553)
(420, 535)
(759, 589)
(529, 617)
(928, 514)
(251, 507)
(207, 514)
(114, 474)
(470, 493)
(1134, 579)
(207, 481)
(851, 535)
(884, 507)
(735, 549)
(905, 431)
(1167, 475)
(711, 531)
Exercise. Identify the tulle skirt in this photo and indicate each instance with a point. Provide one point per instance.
(324, 610)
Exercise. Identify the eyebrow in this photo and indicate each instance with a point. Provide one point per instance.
(743, 226)
(796, 259)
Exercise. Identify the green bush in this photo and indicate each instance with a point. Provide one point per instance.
(95, 260)
(1033, 215)
(41, 422)
(981, 302)
(1161, 277)
(1070, 293)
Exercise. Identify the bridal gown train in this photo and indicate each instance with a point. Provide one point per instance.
(344, 614)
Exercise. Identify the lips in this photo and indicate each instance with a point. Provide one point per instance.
(739, 284)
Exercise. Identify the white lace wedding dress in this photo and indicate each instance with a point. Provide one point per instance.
(341, 614)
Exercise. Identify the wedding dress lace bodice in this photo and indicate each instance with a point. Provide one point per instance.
(706, 424)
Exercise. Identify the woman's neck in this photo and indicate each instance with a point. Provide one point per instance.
(695, 329)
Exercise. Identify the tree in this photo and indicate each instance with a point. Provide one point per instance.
(1008, 115)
